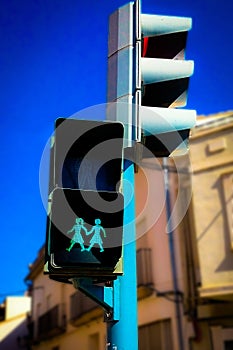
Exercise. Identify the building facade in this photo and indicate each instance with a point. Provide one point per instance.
(184, 258)
(211, 214)
(13, 322)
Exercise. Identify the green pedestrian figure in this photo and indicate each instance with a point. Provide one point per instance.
(77, 237)
(96, 239)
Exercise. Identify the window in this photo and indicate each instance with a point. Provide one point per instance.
(228, 345)
(227, 185)
(38, 310)
(222, 338)
(48, 301)
(155, 336)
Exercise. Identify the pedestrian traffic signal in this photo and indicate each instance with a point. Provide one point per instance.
(148, 75)
(86, 207)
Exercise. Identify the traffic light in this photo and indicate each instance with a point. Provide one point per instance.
(86, 206)
(148, 78)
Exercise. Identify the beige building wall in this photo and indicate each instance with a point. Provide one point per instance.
(153, 233)
(211, 216)
(52, 312)
(211, 154)
(13, 325)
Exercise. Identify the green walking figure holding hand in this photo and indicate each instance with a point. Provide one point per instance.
(97, 239)
(77, 237)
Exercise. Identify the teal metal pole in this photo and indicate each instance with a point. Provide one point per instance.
(123, 334)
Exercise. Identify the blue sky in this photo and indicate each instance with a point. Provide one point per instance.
(53, 63)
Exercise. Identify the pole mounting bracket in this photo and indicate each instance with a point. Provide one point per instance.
(108, 297)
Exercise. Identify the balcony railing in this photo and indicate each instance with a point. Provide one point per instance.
(51, 323)
(83, 309)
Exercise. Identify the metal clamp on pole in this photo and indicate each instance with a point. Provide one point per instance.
(106, 296)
